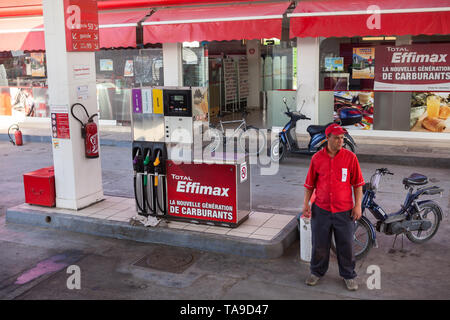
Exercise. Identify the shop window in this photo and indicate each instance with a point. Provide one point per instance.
(278, 65)
(383, 85)
(23, 84)
(195, 65)
(120, 70)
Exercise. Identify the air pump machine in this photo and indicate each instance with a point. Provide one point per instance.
(169, 180)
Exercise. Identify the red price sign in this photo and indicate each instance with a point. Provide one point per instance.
(81, 17)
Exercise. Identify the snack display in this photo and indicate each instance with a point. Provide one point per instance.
(434, 124)
(430, 112)
(354, 109)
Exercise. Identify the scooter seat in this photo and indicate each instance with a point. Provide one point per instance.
(313, 129)
(416, 179)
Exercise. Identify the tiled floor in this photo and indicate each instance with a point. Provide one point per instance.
(259, 225)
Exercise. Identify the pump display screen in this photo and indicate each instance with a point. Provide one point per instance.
(177, 103)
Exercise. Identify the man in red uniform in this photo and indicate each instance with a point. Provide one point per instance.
(333, 173)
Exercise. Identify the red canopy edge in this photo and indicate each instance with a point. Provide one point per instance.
(232, 22)
(118, 28)
(342, 18)
(427, 23)
(210, 31)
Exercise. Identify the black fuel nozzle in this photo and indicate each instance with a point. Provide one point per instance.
(138, 163)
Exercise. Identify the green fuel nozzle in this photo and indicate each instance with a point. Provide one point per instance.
(146, 162)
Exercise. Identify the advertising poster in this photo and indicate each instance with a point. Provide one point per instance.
(417, 67)
(128, 71)
(37, 64)
(106, 65)
(194, 195)
(430, 112)
(363, 66)
(354, 109)
(200, 103)
(334, 64)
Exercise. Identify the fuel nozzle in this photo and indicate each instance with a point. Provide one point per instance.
(146, 166)
(137, 162)
(156, 165)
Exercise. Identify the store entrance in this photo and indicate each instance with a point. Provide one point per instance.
(241, 74)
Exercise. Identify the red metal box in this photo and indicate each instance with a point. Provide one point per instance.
(40, 187)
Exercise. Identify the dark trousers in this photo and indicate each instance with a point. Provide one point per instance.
(323, 224)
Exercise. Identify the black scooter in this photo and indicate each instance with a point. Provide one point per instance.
(288, 141)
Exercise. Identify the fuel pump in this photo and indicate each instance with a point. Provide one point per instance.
(161, 124)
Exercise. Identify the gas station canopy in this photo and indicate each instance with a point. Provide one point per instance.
(224, 22)
(343, 18)
(116, 28)
(22, 33)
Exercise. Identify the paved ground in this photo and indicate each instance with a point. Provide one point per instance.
(34, 261)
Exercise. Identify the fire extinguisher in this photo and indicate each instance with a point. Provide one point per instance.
(89, 132)
(17, 135)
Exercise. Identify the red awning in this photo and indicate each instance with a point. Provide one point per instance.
(22, 34)
(344, 18)
(224, 22)
(118, 28)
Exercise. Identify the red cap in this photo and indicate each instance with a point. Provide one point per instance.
(335, 129)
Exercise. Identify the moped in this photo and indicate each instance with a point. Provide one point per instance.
(288, 140)
(417, 219)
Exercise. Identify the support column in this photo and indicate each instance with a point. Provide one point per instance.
(308, 67)
(78, 180)
(173, 64)
(254, 72)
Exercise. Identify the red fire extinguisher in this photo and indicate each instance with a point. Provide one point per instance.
(17, 135)
(89, 132)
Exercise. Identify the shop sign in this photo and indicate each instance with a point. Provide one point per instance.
(202, 191)
(81, 17)
(418, 67)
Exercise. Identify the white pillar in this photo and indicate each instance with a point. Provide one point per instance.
(173, 64)
(308, 67)
(78, 180)
(254, 72)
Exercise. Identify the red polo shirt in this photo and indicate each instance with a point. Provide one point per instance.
(333, 179)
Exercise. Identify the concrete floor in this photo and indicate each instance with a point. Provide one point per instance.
(34, 261)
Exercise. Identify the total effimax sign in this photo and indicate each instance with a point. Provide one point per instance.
(202, 191)
(421, 67)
